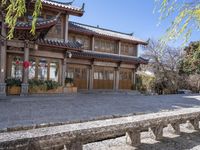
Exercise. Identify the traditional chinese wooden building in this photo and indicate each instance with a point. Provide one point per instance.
(94, 57)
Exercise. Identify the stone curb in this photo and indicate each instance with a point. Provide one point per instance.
(36, 126)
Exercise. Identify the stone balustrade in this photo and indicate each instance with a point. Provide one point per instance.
(73, 136)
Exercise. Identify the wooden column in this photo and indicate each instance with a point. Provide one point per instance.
(134, 78)
(3, 60)
(64, 69)
(66, 27)
(136, 53)
(114, 79)
(119, 47)
(24, 86)
(117, 78)
(3, 68)
(91, 73)
(88, 79)
(92, 43)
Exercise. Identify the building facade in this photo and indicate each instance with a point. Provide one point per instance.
(95, 58)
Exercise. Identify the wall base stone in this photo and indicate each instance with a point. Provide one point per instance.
(24, 89)
(2, 89)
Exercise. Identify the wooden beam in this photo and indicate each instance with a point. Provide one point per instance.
(106, 64)
(19, 43)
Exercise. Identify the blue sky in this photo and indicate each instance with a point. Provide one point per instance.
(126, 16)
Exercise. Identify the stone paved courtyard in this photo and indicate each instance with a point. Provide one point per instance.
(17, 111)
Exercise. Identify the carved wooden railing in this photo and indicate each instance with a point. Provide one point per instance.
(73, 136)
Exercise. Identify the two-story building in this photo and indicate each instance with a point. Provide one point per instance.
(94, 57)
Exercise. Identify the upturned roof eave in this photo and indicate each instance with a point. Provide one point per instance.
(78, 13)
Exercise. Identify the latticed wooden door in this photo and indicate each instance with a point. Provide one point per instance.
(79, 73)
(103, 78)
(126, 79)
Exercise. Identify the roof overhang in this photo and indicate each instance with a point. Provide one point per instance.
(103, 33)
(75, 46)
(22, 29)
(63, 7)
(109, 57)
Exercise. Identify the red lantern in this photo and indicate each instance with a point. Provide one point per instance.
(17, 62)
(26, 64)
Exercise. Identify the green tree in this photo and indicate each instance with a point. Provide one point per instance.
(186, 20)
(15, 9)
(190, 63)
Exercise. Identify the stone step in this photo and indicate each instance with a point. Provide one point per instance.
(125, 92)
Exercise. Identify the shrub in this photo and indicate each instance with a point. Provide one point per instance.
(51, 84)
(145, 83)
(13, 82)
(69, 80)
(43, 85)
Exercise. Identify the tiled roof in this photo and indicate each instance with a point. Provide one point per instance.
(59, 44)
(39, 24)
(66, 6)
(74, 26)
(113, 57)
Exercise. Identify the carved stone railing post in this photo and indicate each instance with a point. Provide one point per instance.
(75, 146)
(195, 124)
(157, 132)
(133, 138)
(176, 127)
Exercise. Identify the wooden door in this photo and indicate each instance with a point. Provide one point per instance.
(126, 79)
(79, 73)
(103, 78)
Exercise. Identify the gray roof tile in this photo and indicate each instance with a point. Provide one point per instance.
(104, 32)
(107, 56)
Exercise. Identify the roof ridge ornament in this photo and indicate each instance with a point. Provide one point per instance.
(70, 3)
(131, 34)
(83, 7)
(65, 3)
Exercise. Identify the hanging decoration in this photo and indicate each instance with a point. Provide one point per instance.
(17, 62)
(26, 64)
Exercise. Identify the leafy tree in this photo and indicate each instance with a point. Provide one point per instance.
(187, 17)
(190, 63)
(15, 9)
(164, 65)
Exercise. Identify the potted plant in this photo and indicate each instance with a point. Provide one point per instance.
(13, 86)
(40, 86)
(53, 87)
(69, 86)
(37, 86)
(69, 82)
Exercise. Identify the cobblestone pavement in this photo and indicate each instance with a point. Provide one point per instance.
(17, 111)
